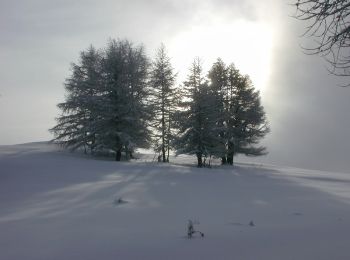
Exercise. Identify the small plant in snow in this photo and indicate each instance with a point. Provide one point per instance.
(191, 231)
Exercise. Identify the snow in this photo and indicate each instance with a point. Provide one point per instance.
(59, 205)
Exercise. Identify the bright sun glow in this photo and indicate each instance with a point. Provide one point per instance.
(247, 44)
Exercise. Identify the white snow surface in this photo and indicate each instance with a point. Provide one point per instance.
(59, 205)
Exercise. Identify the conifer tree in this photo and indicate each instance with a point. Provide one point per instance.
(125, 111)
(218, 84)
(162, 80)
(247, 122)
(195, 118)
(76, 126)
(106, 105)
(240, 116)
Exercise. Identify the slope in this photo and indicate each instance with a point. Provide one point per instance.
(57, 205)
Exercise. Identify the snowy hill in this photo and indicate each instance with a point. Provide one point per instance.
(58, 205)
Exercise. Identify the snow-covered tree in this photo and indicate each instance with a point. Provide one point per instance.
(106, 103)
(196, 123)
(125, 112)
(162, 80)
(246, 121)
(240, 118)
(76, 125)
(218, 84)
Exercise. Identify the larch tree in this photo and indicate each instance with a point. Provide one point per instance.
(218, 84)
(106, 105)
(162, 83)
(240, 117)
(195, 121)
(125, 113)
(246, 122)
(76, 125)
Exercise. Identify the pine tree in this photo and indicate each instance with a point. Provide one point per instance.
(75, 128)
(125, 111)
(247, 123)
(106, 106)
(240, 116)
(218, 85)
(196, 125)
(162, 80)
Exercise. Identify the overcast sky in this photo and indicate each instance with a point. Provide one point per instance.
(308, 113)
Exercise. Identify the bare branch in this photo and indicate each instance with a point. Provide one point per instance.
(330, 28)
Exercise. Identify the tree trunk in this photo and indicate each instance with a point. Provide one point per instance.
(163, 130)
(223, 160)
(199, 159)
(230, 153)
(163, 153)
(230, 158)
(118, 155)
(168, 150)
(168, 140)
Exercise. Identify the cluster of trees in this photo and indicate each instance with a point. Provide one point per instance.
(220, 115)
(117, 100)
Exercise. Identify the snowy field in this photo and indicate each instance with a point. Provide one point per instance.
(58, 205)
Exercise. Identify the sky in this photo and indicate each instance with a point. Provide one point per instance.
(307, 110)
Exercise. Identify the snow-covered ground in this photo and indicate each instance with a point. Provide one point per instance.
(58, 205)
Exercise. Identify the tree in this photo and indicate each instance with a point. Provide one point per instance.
(106, 105)
(218, 84)
(240, 118)
(196, 125)
(245, 118)
(125, 113)
(162, 80)
(75, 128)
(330, 26)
